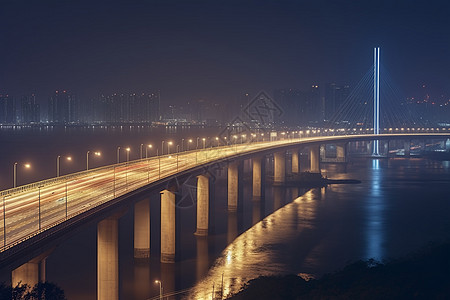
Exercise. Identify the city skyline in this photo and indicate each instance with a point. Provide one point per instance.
(214, 51)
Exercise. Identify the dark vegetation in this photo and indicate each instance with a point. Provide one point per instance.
(41, 291)
(423, 275)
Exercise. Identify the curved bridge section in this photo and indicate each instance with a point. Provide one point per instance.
(42, 208)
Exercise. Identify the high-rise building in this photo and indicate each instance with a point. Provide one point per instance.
(8, 114)
(290, 102)
(335, 96)
(30, 111)
(63, 108)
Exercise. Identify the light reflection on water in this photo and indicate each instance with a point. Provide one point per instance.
(375, 214)
(256, 252)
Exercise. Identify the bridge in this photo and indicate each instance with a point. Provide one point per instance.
(33, 209)
(36, 213)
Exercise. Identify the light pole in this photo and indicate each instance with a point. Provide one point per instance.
(189, 142)
(118, 154)
(4, 221)
(146, 152)
(218, 142)
(39, 200)
(197, 143)
(140, 152)
(204, 142)
(97, 153)
(182, 143)
(168, 147)
(128, 153)
(58, 165)
(15, 172)
(162, 148)
(160, 289)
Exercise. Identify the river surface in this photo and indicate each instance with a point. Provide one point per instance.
(400, 206)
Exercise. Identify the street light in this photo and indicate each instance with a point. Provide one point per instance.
(118, 154)
(128, 153)
(97, 153)
(162, 148)
(182, 143)
(190, 142)
(168, 147)
(58, 164)
(146, 152)
(140, 152)
(197, 143)
(15, 172)
(204, 142)
(160, 289)
(217, 139)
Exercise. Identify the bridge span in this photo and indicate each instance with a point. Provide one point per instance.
(35, 213)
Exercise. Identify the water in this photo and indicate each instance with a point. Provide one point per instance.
(400, 205)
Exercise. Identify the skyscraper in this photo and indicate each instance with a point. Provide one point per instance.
(7, 110)
(63, 108)
(335, 95)
(30, 111)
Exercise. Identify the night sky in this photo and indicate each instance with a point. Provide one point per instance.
(218, 49)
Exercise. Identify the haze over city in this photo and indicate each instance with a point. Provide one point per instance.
(193, 149)
(217, 50)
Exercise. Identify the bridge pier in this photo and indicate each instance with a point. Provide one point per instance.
(202, 205)
(32, 272)
(29, 273)
(341, 152)
(407, 147)
(167, 226)
(233, 182)
(279, 167)
(295, 164)
(257, 174)
(142, 229)
(108, 259)
(314, 158)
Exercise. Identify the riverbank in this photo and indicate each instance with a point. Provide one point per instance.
(422, 275)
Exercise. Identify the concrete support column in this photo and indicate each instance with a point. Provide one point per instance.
(314, 157)
(142, 229)
(108, 259)
(341, 152)
(407, 146)
(27, 273)
(167, 226)
(233, 181)
(279, 168)
(256, 177)
(42, 270)
(202, 205)
(295, 164)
